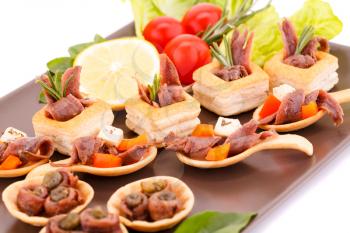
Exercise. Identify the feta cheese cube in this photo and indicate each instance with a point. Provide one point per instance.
(12, 134)
(111, 135)
(226, 126)
(281, 91)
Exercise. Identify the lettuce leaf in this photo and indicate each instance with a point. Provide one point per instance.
(319, 14)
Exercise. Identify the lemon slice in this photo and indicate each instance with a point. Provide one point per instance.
(110, 69)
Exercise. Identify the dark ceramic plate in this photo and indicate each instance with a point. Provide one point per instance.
(257, 184)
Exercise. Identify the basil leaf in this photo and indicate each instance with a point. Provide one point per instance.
(41, 98)
(76, 49)
(215, 222)
(59, 64)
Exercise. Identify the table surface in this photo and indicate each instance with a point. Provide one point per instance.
(38, 30)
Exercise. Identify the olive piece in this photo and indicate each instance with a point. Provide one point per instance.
(153, 186)
(70, 222)
(59, 193)
(40, 191)
(52, 179)
(167, 196)
(134, 199)
(98, 213)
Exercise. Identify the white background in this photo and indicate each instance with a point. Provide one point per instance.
(34, 31)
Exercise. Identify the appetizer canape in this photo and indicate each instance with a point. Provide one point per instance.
(68, 115)
(163, 107)
(152, 204)
(287, 109)
(108, 154)
(230, 143)
(91, 220)
(305, 63)
(34, 200)
(20, 154)
(231, 84)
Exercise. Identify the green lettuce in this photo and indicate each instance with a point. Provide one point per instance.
(146, 10)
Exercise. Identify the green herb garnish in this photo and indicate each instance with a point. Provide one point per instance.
(306, 35)
(226, 58)
(153, 89)
(215, 222)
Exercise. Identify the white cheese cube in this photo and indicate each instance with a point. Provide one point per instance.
(111, 135)
(281, 91)
(226, 126)
(12, 134)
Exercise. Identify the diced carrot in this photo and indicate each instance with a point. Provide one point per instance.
(203, 130)
(11, 162)
(106, 160)
(309, 110)
(218, 153)
(126, 144)
(270, 106)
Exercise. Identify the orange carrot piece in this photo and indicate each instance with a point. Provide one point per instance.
(126, 144)
(106, 160)
(309, 110)
(203, 130)
(11, 162)
(270, 106)
(218, 153)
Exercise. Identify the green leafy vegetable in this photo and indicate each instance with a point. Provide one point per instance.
(306, 35)
(60, 64)
(215, 222)
(153, 89)
(76, 49)
(320, 15)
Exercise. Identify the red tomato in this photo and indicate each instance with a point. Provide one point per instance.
(161, 30)
(188, 53)
(200, 17)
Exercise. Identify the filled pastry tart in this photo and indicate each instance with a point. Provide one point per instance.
(304, 63)
(231, 84)
(19, 154)
(91, 220)
(34, 200)
(229, 143)
(152, 204)
(163, 107)
(107, 154)
(67, 113)
(287, 109)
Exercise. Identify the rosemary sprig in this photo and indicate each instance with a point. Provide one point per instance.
(153, 89)
(226, 24)
(306, 35)
(224, 58)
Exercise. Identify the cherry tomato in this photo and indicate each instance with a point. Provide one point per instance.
(161, 30)
(188, 53)
(200, 17)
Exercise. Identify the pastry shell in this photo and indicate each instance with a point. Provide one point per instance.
(229, 98)
(9, 197)
(113, 171)
(183, 192)
(287, 141)
(21, 171)
(63, 133)
(144, 118)
(322, 75)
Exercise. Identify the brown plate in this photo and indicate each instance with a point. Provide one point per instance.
(257, 184)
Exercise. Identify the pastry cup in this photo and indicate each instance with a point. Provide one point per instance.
(63, 133)
(183, 192)
(113, 171)
(322, 75)
(287, 141)
(122, 227)
(9, 198)
(180, 118)
(21, 171)
(229, 98)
